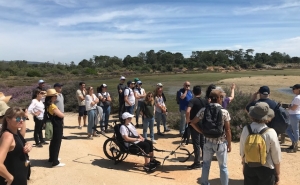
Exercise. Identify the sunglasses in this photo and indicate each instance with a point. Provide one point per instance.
(18, 119)
(150, 96)
(187, 85)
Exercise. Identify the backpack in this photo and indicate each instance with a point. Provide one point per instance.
(123, 95)
(212, 124)
(255, 148)
(281, 120)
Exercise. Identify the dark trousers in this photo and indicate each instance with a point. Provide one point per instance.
(258, 175)
(38, 130)
(146, 145)
(198, 142)
(121, 109)
(55, 143)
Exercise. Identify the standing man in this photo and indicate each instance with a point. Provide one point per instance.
(121, 87)
(41, 86)
(80, 95)
(185, 96)
(193, 108)
(129, 97)
(140, 95)
(60, 101)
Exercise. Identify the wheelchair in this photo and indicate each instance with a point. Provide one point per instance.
(115, 149)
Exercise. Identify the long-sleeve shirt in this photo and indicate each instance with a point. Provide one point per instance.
(270, 136)
(88, 101)
(36, 106)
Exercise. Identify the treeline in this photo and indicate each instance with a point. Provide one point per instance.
(149, 61)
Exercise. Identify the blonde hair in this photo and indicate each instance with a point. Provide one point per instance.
(147, 99)
(9, 114)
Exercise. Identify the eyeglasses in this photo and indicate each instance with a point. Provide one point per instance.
(18, 119)
(187, 85)
(150, 96)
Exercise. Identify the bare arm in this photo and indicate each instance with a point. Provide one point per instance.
(195, 125)
(58, 113)
(184, 94)
(187, 114)
(6, 142)
(293, 107)
(231, 97)
(228, 135)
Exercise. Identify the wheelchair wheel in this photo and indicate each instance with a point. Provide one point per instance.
(111, 150)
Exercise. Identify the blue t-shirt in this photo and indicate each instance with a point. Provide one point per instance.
(183, 103)
(272, 104)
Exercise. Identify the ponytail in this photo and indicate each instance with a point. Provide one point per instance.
(4, 126)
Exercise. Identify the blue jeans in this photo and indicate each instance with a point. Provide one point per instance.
(129, 109)
(91, 120)
(105, 117)
(182, 122)
(293, 129)
(209, 149)
(159, 116)
(148, 122)
(137, 112)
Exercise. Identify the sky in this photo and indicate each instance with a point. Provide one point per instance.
(73, 30)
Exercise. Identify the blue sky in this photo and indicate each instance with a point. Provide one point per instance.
(72, 30)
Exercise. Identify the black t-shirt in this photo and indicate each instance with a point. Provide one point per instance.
(196, 104)
(121, 95)
(272, 104)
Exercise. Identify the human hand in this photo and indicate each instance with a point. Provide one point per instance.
(27, 148)
(229, 148)
(37, 113)
(9, 180)
(232, 86)
(277, 179)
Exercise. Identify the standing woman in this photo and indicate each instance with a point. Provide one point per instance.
(147, 109)
(160, 111)
(56, 117)
(139, 94)
(105, 101)
(13, 148)
(37, 109)
(294, 112)
(90, 105)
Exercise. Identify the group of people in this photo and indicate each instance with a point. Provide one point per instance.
(206, 118)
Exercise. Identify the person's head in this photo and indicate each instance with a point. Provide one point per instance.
(264, 92)
(4, 98)
(216, 96)
(197, 90)
(39, 94)
(122, 79)
(139, 83)
(130, 84)
(136, 80)
(209, 89)
(41, 84)
(186, 85)
(13, 119)
(296, 89)
(51, 97)
(149, 98)
(127, 117)
(159, 85)
(261, 113)
(58, 87)
(3, 108)
(90, 90)
(81, 85)
(104, 88)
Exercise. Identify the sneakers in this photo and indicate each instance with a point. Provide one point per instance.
(90, 137)
(153, 141)
(50, 161)
(149, 167)
(160, 134)
(44, 143)
(39, 145)
(156, 162)
(80, 127)
(194, 166)
(59, 165)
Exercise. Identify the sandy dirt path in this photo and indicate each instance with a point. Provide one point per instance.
(86, 163)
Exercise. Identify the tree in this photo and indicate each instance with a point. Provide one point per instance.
(151, 57)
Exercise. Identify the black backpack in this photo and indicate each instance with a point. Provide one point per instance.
(281, 120)
(212, 124)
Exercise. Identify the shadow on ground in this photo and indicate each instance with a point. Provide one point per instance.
(218, 182)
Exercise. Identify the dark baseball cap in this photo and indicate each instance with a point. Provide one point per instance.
(58, 85)
(265, 90)
(296, 86)
(130, 82)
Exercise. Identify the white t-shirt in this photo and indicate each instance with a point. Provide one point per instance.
(125, 132)
(36, 106)
(128, 92)
(88, 101)
(138, 92)
(78, 94)
(159, 101)
(296, 101)
(105, 95)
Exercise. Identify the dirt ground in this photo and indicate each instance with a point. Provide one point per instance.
(86, 163)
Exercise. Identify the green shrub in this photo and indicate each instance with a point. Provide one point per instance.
(34, 73)
(173, 120)
(69, 92)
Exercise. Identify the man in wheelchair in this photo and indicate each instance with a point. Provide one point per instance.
(133, 139)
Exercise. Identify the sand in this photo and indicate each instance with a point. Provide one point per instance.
(86, 163)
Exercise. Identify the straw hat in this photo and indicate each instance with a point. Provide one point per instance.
(4, 98)
(51, 92)
(3, 108)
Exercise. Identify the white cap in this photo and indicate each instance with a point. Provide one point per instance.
(41, 81)
(122, 78)
(104, 85)
(159, 84)
(126, 115)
